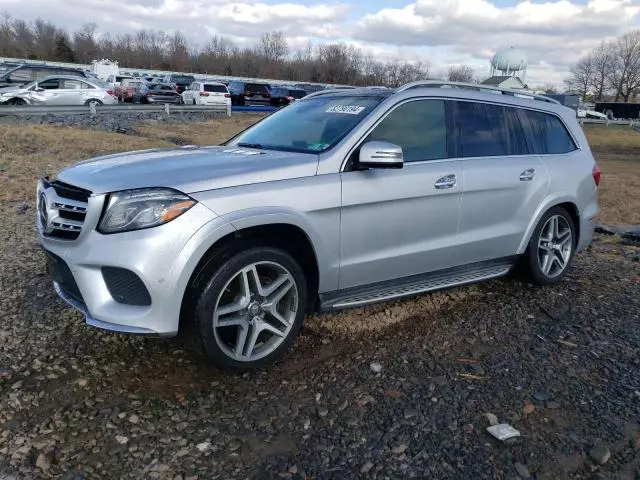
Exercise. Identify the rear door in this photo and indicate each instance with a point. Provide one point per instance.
(215, 93)
(503, 181)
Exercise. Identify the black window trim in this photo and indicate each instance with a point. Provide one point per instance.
(346, 164)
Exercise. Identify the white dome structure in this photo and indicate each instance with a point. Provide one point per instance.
(510, 62)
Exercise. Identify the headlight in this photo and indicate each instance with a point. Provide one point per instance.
(144, 208)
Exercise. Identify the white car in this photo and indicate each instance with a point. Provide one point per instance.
(207, 93)
(60, 90)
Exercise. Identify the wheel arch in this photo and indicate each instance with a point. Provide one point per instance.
(287, 236)
(565, 201)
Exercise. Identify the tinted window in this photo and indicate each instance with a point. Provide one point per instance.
(258, 88)
(21, 75)
(50, 84)
(182, 79)
(309, 126)
(547, 134)
(297, 93)
(166, 87)
(485, 130)
(418, 127)
(215, 88)
(278, 92)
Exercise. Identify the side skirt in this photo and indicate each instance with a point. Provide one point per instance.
(416, 284)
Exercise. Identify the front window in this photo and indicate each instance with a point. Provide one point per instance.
(309, 126)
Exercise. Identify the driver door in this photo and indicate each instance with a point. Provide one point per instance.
(401, 222)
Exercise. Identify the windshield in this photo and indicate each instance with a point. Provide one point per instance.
(309, 126)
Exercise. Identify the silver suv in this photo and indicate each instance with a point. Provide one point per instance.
(344, 198)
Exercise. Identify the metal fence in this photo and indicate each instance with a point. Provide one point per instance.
(32, 110)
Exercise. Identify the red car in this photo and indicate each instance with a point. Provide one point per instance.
(127, 88)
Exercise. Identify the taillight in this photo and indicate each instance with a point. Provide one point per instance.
(596, 174)
(227, 95)
(110, 92)
(204, 94)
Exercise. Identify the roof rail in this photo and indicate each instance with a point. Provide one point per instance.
(323, 92)
(475, 86)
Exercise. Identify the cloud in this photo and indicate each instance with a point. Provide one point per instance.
(554, 33)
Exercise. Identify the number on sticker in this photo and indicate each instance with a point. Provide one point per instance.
(348, 109)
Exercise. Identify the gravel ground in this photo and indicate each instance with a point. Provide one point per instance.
(399, 390)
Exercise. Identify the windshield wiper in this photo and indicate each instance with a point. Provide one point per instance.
(251, 145)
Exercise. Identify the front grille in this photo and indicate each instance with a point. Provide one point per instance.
(62, 209)
(60, 273)
(125, 286)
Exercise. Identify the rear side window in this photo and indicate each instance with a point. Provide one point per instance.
(215, 88)
(419, 127)
(547, 134)
(486, 130)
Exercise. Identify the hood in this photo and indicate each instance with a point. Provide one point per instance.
(188, 169)
(9, 89)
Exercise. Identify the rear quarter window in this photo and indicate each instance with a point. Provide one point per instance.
(546, 133)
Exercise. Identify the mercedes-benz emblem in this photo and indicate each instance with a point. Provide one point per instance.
(43, 210)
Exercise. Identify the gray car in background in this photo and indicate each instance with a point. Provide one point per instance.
(60, 90)
(342, 199)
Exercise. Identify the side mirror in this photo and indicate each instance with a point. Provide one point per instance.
(38, 89)
(380, 155)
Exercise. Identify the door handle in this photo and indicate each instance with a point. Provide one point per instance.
(528, 175)
(448, 181)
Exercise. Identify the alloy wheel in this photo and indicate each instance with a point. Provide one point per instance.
(255, 311)
(555, 246)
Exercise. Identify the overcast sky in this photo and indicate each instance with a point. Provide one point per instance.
(554, 34)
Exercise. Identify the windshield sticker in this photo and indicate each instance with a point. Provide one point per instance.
(348, 109)
(318, 146)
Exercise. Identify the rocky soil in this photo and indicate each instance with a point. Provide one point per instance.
(401, 390)
(111, 122)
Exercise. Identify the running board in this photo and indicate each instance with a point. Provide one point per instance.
(416, 284)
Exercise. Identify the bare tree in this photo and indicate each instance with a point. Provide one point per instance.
(581, 76)
(601, 64)
(624, 76)
(460, 73)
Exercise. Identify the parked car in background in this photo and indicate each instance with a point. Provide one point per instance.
(116, 80)
(206, 93)
(156, 93)
(344, 198)
(60, 90)
(180, 81)
(27, 73)
(127, 88)
(281, 96)
(309, 87)
(249, 93)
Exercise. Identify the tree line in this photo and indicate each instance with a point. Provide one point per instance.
(270, 57)
(610, 71)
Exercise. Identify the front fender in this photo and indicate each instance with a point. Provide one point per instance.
(550, 202)
(326, 256)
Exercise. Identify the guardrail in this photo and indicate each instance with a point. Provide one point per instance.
(629, 123)
(31, 110)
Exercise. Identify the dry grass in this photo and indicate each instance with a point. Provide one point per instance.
(617, 151)
(27, 152)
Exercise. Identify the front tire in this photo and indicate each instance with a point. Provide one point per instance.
(251, 309)
(551, 248)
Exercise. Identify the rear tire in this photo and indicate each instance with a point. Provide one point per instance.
(96, 102)
(551, 248)
(250, 308)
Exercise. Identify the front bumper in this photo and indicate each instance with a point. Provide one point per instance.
(163, 258)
